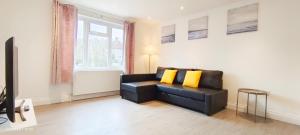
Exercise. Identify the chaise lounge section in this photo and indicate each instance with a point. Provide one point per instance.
(209, 98)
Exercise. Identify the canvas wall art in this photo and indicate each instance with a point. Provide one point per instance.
(243, 19)
(168, 34)
(198, 28)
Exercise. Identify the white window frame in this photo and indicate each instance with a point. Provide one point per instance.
(86, 32)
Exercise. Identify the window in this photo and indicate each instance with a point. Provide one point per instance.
(100, 44)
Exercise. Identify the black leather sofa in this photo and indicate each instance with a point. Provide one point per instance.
(209, 98)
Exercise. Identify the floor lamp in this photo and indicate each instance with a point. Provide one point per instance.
(149, 62)
(149, 51)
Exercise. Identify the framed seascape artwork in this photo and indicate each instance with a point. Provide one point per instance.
(243, 19)
(168, 34)
(198, 28)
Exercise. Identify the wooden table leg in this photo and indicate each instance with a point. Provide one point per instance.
(247, 103)
(255, 107)
(266, 107)
(237, 104)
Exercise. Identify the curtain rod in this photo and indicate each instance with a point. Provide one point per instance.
(94, 12)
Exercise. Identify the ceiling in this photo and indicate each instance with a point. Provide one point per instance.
(159, 10)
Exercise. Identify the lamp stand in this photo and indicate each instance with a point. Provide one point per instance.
(149, 63)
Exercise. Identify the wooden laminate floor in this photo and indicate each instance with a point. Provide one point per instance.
(115, 116)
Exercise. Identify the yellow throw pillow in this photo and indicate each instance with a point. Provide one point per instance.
(169, 76)
(192, 79)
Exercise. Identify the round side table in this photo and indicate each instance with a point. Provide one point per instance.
(253, 92)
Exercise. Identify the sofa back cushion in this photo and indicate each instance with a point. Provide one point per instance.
(160, 72)
(211, 79)
(180, 75)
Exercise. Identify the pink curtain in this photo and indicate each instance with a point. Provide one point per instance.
(64, 38)
(129, 47)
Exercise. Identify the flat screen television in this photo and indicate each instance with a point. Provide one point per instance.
(11, 80)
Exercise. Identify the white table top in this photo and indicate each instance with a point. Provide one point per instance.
(19, 124)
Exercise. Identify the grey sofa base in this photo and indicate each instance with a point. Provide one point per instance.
(137, 98)
(181, 101)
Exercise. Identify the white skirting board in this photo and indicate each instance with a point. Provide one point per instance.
(70, 98)
(273, 114)
(95, 95)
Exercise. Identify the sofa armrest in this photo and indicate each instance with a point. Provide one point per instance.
(216, 101)
(137, 78)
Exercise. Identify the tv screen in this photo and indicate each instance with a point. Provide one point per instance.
(11, 77)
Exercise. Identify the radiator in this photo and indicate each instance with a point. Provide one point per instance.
(89, 82)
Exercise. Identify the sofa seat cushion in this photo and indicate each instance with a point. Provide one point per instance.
(179, 90)
(134, 86)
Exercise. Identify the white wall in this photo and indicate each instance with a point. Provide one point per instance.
(146, 35)
(30, 22)
(267, 59)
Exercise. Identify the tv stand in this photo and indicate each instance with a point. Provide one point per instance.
(20, 110)
(19, 124)
(2, 100)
